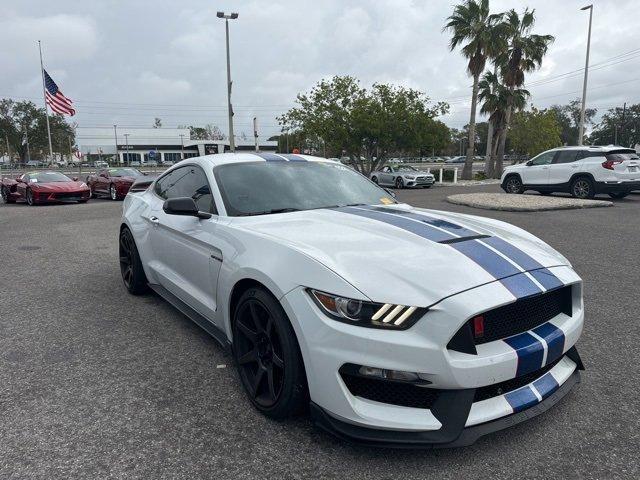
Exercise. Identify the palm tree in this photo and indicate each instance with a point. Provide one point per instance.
(523, 53)
(471, 22)
(493, 96)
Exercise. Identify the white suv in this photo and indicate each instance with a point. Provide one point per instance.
(581, 171)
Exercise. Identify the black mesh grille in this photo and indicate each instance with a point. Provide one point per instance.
(395, 393)
(501, 388)
(519, 316)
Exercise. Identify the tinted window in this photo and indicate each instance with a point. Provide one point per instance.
(189, 181)
(543, 158)
(566, 156)
(257, 188)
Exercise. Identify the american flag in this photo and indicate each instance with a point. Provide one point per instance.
(55, 99)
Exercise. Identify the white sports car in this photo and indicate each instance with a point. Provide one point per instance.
(397, 325)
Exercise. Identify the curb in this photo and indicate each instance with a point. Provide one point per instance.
(523, 203)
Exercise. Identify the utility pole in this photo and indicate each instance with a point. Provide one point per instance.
(624, 112)
(115, 134)
(586, 74)
(232, 16)
(255, 132)
(26, 136)
(182, 146)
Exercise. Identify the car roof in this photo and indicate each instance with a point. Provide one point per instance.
(592, 148)
(244, 157)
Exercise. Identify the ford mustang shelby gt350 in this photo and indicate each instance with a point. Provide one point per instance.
(397, 325)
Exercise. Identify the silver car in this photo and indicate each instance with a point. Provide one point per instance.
(402, 176)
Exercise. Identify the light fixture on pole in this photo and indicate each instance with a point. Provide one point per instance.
(586, 74)
(115, 134)
(227, 17)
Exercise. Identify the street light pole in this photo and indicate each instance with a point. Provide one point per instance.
(182, 146)
(586, 74)
(126, 139)
(115, 134)
(232, 16)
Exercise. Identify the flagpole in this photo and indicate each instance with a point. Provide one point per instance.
(46, 108)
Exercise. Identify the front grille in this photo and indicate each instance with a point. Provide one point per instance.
(394, 393)
(490, 391)
(63, 195)
(517, 317)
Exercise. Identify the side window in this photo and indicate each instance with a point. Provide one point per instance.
(188, 181)
(104, 173)
(386, 169)
(543, 158)
(566, 156)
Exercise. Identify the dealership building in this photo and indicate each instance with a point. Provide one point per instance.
(159, 144)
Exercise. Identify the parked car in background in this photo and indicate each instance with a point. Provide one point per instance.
(402, 176)
(456, 160)
(581, 171)
(44, 187)
(112, 182)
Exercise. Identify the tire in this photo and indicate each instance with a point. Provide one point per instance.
(582, 187)
(133, 277)
(513, 184)
(82, 201)
(5, 195)
(30, 201)
(267, 356)
(374, 179)
(399, 183)
(113, 194)
(618, 195)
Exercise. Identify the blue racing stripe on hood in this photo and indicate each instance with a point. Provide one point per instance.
(421, 229)
(547, 279)
(269, 157)
(450, 227)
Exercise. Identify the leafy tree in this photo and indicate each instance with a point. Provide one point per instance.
(208, 132)
(472, 23)
(568, 116)
(534, 131)
(18, 119)
(365, 125)
(619, 126)
(494, 97)
(523, 53)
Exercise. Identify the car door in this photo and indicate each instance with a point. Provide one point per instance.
(537, 170)
(21, 186)
(187, 261)
(564, 165)
(385, 176)
(103, 181)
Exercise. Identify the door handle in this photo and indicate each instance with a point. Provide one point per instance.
(154, 220)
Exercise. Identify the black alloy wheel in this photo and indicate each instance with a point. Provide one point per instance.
(374, 179)
(513, 184)
(6, 198)
(582, 188)
(30, 200)
(112, 192)
(131, 269)
(267, 355)
(399, 183)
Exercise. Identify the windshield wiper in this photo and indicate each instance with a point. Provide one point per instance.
(268, 212)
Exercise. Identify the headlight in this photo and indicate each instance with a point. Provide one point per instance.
(367, 314)
(409, 177)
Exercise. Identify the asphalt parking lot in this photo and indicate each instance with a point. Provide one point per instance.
(95, 383)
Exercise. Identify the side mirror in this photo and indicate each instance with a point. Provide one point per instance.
(185, 206)
(75, 179)
(529, 163)
(19, 179)
(390, 192)
(103, 175)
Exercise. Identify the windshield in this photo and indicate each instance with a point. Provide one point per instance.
(44, 177)
(406, 168)
(258, 188)
(124, 172)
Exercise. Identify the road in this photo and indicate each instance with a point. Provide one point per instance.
(96, 383)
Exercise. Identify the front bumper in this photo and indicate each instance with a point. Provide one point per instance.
(55, 197)
(455, 435)
(427, 182)
(327, 345)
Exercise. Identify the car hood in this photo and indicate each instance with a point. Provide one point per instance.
(61, 186)
(380, 256)
(124, 179)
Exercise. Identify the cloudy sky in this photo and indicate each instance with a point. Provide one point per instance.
(128, 62)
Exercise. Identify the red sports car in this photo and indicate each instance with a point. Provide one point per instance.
(114, 182)
(44, 187)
